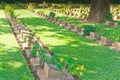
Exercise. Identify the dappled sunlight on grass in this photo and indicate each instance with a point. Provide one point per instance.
(90, 44)
(22, 13)
(2, 14)
(13, 65)
(97, 59)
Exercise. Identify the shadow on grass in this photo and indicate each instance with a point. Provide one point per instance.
(4, 26)
(13, 65)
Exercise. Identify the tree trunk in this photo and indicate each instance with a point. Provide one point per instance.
(98, 10)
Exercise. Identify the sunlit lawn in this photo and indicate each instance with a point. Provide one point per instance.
(100, 62)
(13, 65)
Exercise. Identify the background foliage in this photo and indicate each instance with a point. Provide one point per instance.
(56, 1)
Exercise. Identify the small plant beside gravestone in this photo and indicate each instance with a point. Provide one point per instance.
(88, 29)
(115, 36)
(34, 49)
(52, 14)
(109, 20)
(52, 66)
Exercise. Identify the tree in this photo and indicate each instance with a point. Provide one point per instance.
(98, 10)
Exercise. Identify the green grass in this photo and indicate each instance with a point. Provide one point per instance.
(104, 30)
(100, 62)
(13, 66)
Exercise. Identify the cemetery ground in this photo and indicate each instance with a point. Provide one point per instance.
(13, 65)
(98, 62)
(68, 45)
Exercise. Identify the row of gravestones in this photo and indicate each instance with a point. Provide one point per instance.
(115, 11)
(116, 17)
(80, 10)
(112, 24)
(116, 14)
(74, 14)
(104, 41)
(62, 23)
(26, 40)
(109, 23)
(86, 10)
(71, 14)
(99, 39)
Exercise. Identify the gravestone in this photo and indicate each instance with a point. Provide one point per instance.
(80, 31)
(117, 46)
(35, 62)
(74, 29)
(24, 46)
(58, 22)
(55, 20)
(92, 36)
(68, 26)
(115, 25)
(107, 22)
(27, 53)
(62, 24)
(104, 41)
(115, 18)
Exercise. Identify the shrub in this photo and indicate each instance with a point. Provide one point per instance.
(115, 36)
(108, 17)
(42, 51)
(34, 49)
(10, 10)
(31, 7)
(52, 14)
(88, 29)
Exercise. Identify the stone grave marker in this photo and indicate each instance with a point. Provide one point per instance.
(115, 25)
(104, 41)
(107, 22)
(27, 53)
(80, 31)
(35, 62)
(92, 36)
(68, 26)
(117, 46)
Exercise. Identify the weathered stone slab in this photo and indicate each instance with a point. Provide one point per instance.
(104, 41)
(51, 71)
(92, 36)
(68, 26)
(62, 24)
(117, 46)
(55, 20)
(21, 40)
(24, 46)
(35, 62)
(41, 74)
(25, 31)
(27, 53)
(115, 25)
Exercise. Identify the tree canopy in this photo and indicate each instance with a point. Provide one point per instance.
(56, 1)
